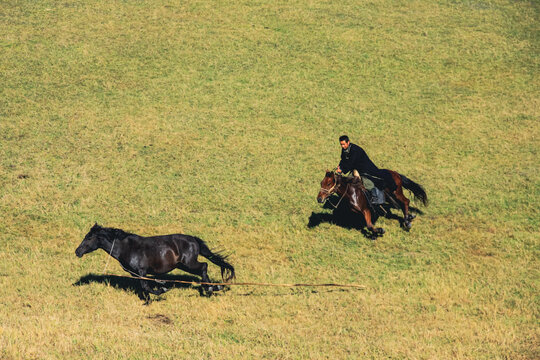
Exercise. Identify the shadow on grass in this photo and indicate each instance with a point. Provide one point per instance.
(344, 217)
(134, 286)
(291, 292)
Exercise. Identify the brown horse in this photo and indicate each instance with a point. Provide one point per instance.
(354, 191)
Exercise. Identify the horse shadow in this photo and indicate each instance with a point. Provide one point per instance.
(344, 217)
(133, 285)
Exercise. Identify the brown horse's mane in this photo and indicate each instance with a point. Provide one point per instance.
(350, 180)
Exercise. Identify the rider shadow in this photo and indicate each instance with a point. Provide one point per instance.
(341, 216)
(133, 285)
(344, 217)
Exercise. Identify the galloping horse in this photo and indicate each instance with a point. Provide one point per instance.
(155, 255)
(355, 192)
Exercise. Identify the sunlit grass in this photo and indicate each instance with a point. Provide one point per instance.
(218, 119)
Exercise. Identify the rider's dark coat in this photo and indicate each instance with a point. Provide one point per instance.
(356, 158)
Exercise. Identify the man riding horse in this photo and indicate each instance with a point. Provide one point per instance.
(355, 159)
(386, 182)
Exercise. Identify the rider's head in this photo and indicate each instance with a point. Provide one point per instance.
(344, 142)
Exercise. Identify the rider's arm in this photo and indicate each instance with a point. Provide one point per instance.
(347, 165)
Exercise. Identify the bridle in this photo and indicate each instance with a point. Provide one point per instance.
(331, 191)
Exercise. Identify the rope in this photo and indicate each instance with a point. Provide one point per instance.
(240, 283)
(107, 263)
(137, 276)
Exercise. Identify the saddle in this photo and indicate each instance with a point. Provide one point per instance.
(374, 195)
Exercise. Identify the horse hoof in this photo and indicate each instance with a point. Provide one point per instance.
(380, 231)
(407, 225)
(208, 292)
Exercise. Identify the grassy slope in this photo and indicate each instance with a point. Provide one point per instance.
(218, 119)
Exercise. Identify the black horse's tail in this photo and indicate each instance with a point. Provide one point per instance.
(417, 189)
(227, 270)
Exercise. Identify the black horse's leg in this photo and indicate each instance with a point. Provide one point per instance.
(199, 268)
(145, 284)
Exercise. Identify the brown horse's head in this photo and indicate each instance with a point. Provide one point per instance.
(328, 186)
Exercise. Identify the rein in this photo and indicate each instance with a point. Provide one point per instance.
(342, 196)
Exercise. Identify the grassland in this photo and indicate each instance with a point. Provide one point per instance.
(218, 119)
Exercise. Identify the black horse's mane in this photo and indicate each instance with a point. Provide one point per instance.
(113, 233)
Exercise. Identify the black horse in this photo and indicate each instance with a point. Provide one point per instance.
(155, 255)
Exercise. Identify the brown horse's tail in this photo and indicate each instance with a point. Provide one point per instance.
(227, 270)
(417, 189)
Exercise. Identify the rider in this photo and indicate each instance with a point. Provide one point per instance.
(355, 159)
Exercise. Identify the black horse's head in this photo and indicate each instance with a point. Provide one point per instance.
(328, 185)
(90, 242)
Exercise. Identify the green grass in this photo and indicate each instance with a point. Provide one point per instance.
(218, 119)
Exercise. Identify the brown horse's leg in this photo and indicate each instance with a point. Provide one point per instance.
(375, 231)
(403, 200)
(359, 205)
